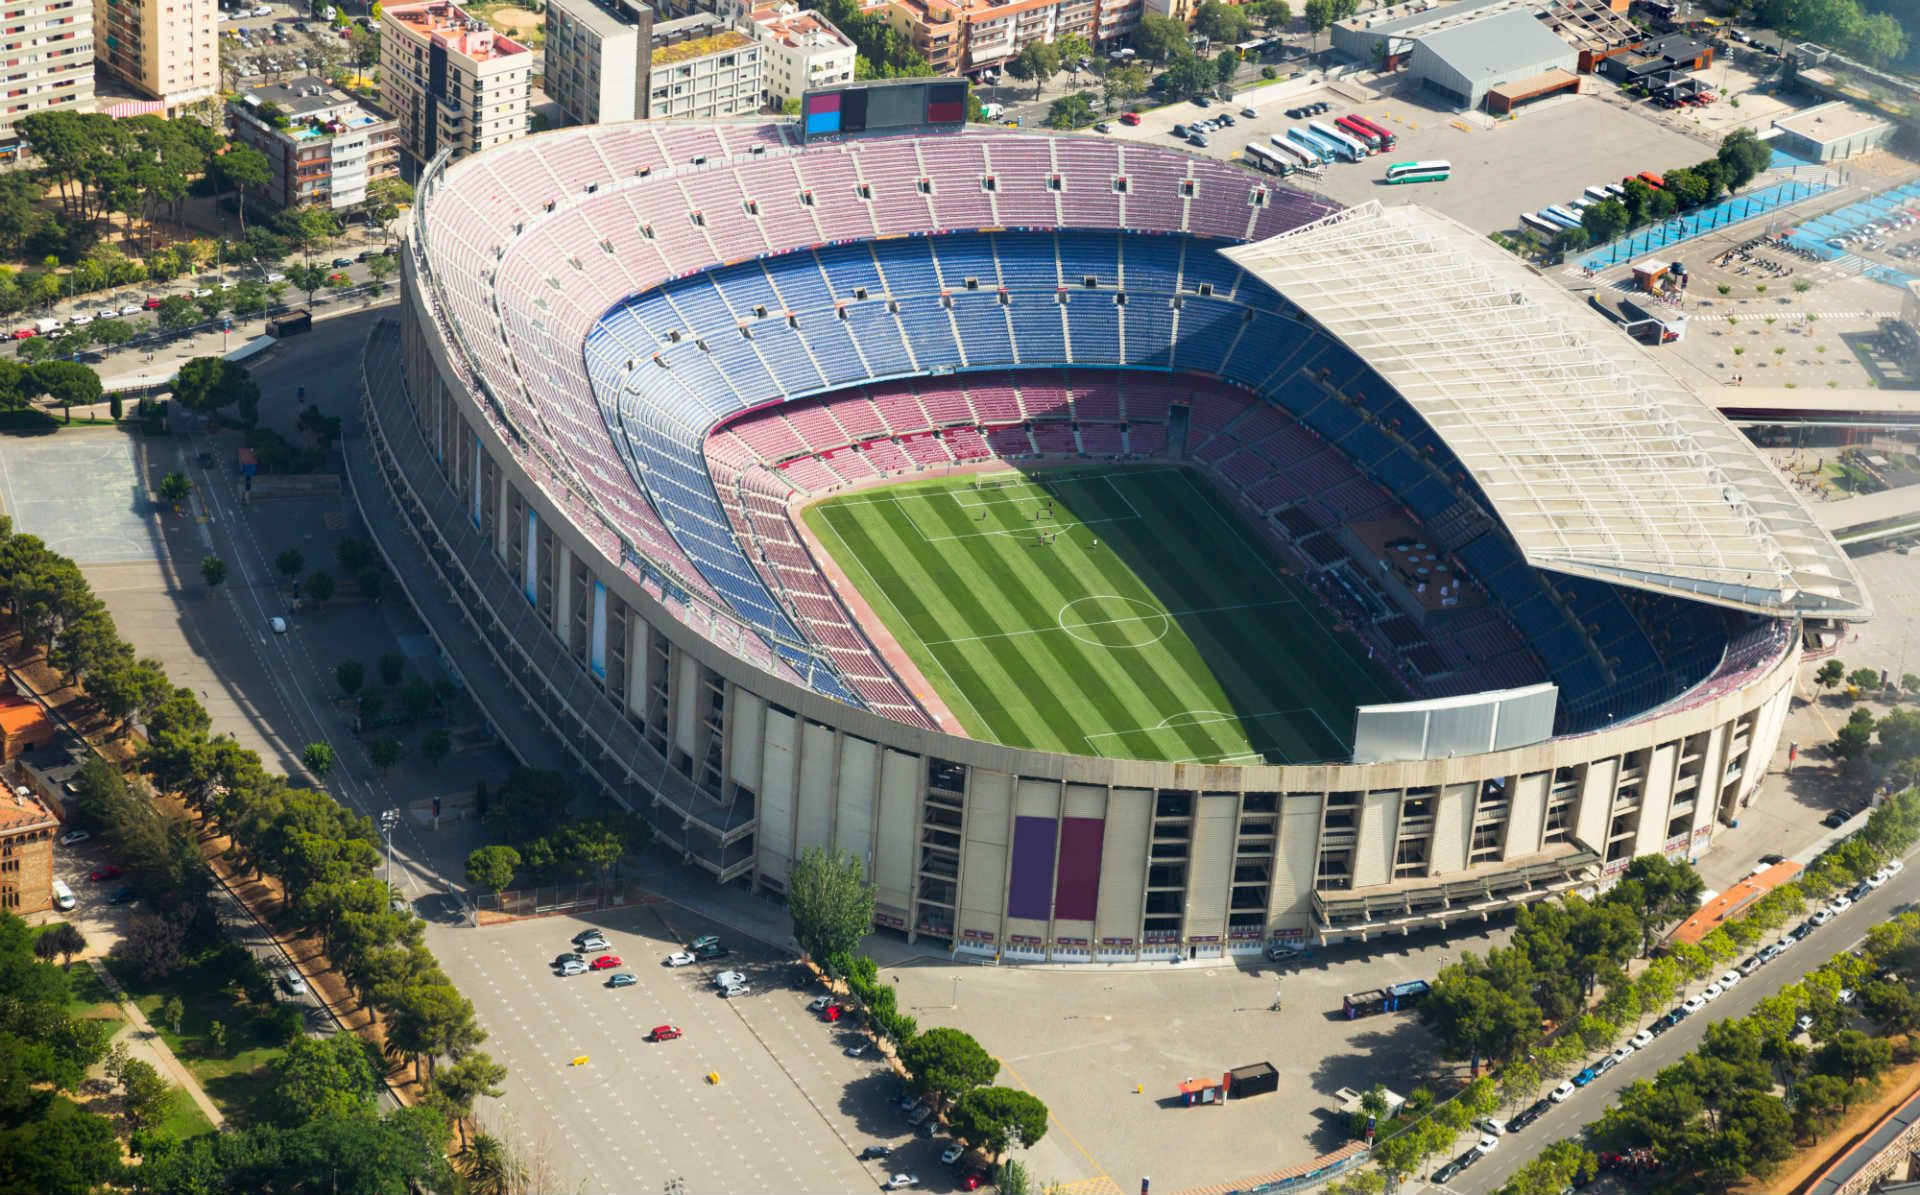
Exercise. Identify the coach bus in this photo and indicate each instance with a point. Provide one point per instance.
(1267, 160)
(1597, 194)
(1359, 132)
(1651, 179)
(1335, 151)
(1419, 172)
(1562, 215)
(1302, 157)
(1387, 999)
(1379, 130)
(1307, 144)
(1544, 227)
(1352, 147)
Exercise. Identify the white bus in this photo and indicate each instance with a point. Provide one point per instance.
(1545, 228)
(1419, 172)
(1268, 160)
(1354, 148)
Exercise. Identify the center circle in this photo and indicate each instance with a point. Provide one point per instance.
(1109, 620)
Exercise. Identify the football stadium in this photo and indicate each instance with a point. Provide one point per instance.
(1121, 553)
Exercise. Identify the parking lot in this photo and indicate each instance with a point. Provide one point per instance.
(265, 43)
(1106, 1049)
(756, 1095)
(1548, 154)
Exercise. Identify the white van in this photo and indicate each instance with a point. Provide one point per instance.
(62, 896)
(43, 327)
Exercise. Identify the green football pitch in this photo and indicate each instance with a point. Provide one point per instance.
(1125, 612)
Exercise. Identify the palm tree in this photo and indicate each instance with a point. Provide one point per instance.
(488, 1169)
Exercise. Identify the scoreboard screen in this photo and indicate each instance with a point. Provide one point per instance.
(882, 106)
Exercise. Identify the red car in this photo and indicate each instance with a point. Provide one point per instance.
(109, 872)
(152, 303)
(973, 1180)
(606, 962)
(664, 1033)
(1129, 118)
(24, 333)
(831, 1013)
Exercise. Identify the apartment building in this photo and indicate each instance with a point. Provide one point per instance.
(968, 36)
(166, 49)
(26, 852)
(702, 69)
(803, 50)
(48, 49)
(597, 57)
(324, 145)
(450, 81)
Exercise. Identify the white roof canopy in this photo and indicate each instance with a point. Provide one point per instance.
(1599, 463)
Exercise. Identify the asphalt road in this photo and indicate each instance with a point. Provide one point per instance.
(1566, 1120)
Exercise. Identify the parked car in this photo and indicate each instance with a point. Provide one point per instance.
(1642, 1039)
(110, 872)
(1728, 981)
(859, 1050)
(1249, 113)
(1586, 1076)
(73, 836)
(952, 1153)
(919, 1114)
(706, 953)
(679, 958)
(729, 979)
(1841, 904)
(1753, 963)
(622, 979)
(818, 1003)
(1894, 867)
(1802, 1023)
(1562, 1093)
(1624, 1052)
(1711, 992)
(573, 967)
(585, 934)
(606, 962)
(1834, 820)
(1602, 1065)
(1129, 118)
(1860, 890)
(592, 945)
(569, 957)
(874, 1151)
(664, 1033)
(1528, 1115)
(900, 1182)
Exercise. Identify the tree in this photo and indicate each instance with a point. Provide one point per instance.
(830, 901)
(211, 383)
(1850, 742)
(350, 675)
(1037, 62)
(307, 277)
(175, 489)
(1865, 679)
(1831, 673)
(68, 383)
(944, 1063)
(318, 757)
(492, 868)
(1071, 111)
(1319, 16)
(998, 1118)
(1659, 891)
(1270, 12)
(1222, 23)
(319, 1077)
(385, 752)
(289, 563)
(1161, 38)
(1605, 221)
(1853, 1056)
(320, 586)
(242, 169)
(176, 313)
(1124, 82)
(1482, 1010)
(63, 1150)
(527, 804)
(488, 1168)
(1189, 76)
(213, 571)
(66, 941)
(1744, 156)
(1563, 1164)
(463, 1082)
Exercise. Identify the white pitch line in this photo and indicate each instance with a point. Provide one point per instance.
(1105, 622)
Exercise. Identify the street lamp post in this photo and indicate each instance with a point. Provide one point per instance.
(388, 819)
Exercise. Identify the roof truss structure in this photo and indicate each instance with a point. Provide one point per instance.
(1599, 463)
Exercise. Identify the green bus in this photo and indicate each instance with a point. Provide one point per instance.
(1419, 172)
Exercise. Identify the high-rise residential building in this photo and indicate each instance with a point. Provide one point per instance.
(962, 37)
(451, 81)
(613, 60)
(324, 145)
(167, 49)
(48, 48)
(701, 68)
(803, 50)
(597, 56)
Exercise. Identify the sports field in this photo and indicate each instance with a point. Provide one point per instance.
(1126, 612)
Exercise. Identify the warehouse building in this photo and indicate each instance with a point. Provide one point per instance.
(1466, 61)
(1830, 132)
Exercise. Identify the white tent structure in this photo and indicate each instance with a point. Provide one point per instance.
(1598, 462)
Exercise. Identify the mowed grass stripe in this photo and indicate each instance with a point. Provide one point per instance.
(1136, 682)
(1021, 590)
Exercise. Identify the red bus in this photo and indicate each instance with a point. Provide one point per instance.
(1352, 127)
(1651, 179)
(1378, 130)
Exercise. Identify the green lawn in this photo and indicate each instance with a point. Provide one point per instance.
(236, 1076)
(1126, 612)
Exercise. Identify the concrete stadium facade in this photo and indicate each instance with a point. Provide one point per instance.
(983, 848)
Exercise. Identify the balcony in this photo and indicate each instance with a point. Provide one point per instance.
(1406, 905)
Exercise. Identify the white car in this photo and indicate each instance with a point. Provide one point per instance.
(79, 320)
(1822, 916)
(1841, 904)
(1642, 1039)
(819, 1003)
(291, 980)
(106, 313)
(132, 309)
(952, 1153)
(1844, 995)
(261, 10)
(1877, 878)
(1489, 1125)
(1561, 1093)
(276, 276)
(1803, 1023)
(573, 966)
(1487, 1143)
(900, 1182)
(201, 292)
(1711, 992)
(1728, 980)
(1893, 867)
(859, 1050)
(728, 979)
(1694, 1004)
(278, 624)
(1622, 1054)
(592, 945)
(73, 836)
(736, 989)
(680, 958)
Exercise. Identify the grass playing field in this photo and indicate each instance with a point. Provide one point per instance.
(1126, 612)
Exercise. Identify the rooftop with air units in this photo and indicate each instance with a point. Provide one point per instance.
(453, 27)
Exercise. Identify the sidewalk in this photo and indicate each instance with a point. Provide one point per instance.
(142, 1037)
